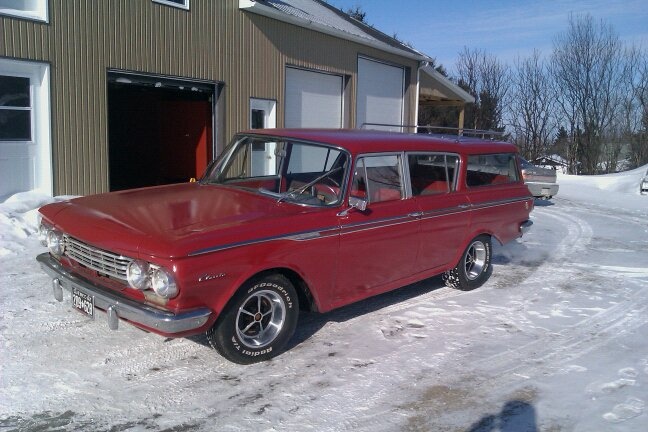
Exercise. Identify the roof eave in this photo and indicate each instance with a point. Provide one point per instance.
(448, 85)
(270, 12)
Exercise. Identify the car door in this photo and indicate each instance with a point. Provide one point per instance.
(444, 211)
(378, 246)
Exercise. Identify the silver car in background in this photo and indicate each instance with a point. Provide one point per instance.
(540, 181)
(643, 184)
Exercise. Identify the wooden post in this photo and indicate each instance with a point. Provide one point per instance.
(461, 119)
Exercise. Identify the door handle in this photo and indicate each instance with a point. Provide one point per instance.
(415, 214)
(464, 206)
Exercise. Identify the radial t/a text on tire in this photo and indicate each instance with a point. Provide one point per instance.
(258, 322)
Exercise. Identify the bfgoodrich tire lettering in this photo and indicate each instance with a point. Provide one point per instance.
(258, 322)
(474, 267)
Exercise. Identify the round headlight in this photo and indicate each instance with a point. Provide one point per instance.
(163, 283)
(137, 274)
(43, 230)
(55, 242)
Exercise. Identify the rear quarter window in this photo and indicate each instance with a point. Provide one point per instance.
(493, 169)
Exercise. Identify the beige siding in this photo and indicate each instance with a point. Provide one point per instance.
(213, 41)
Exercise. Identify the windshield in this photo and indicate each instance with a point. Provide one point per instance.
(303, 173)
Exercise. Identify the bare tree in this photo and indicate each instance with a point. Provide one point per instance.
(357, 13)
(587, 68)
(532, 106)
(634, 119)
(487, 80)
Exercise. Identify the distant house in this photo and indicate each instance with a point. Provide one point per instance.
(112, 94)
(554, 161)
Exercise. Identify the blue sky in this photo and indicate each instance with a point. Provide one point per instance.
(506, 28)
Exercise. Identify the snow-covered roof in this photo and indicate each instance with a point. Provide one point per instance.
(553, 158)
(320, 16)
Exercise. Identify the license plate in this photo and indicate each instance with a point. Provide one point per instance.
(83, 302)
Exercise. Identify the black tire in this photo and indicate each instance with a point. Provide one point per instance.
(242, 334)
(474, 267)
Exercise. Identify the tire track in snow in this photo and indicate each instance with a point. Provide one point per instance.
(577, 238)
(587, 334)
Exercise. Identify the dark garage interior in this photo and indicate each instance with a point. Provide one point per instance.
(158, 133)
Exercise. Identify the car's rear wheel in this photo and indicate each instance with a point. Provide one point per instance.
(474, 267)
(258, 322)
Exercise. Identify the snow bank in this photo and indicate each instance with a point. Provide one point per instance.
(19, 219)
(616, 191)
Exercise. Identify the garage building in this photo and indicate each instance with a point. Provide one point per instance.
(114, 94)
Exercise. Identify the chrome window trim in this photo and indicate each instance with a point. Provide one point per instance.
(228, 151)
(405, 188)
(452, 184)
(517, 173)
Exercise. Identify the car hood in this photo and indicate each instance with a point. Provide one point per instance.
(171, 221)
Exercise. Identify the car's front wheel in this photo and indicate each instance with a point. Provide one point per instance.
(258, 322)
(474, 267)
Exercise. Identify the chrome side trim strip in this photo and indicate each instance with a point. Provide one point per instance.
(498, 203)
(298, 236)
(357, 227)
(376, 224)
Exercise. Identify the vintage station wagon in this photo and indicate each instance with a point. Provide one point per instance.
(283, 221)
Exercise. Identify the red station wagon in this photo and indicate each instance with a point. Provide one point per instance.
(283, 221)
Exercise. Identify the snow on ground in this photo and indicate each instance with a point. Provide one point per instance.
(554, 341)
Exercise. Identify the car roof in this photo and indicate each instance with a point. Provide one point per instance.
(359, 141)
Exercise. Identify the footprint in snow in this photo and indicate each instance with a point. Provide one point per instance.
(627, 379)
(632, 408)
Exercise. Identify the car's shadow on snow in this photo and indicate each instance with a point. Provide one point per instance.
(539, 202)
(310, 323)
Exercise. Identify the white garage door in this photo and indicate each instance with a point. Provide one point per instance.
(313, 99)
(380, 94)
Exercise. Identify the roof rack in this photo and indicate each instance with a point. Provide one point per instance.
(484, 134)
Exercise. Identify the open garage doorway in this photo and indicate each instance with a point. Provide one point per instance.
(160, 130)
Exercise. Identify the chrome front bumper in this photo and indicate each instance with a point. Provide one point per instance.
(118, 307)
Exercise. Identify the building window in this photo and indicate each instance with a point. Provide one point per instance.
(263, 113)
(29, 9)
(15, 109)
(182, 4)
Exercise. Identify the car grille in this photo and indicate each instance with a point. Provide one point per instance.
(102, 261)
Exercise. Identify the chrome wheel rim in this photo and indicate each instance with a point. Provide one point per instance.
(475, 260)
(260, 319)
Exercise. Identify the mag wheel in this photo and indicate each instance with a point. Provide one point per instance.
(474, 267)
(258, 322)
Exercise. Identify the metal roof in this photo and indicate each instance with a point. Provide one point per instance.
(322, 17)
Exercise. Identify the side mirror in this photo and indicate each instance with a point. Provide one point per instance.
(355, 203)
(358, 203)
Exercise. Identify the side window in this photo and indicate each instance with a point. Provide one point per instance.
(486, 170)
(432, 174)
(378, 178)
